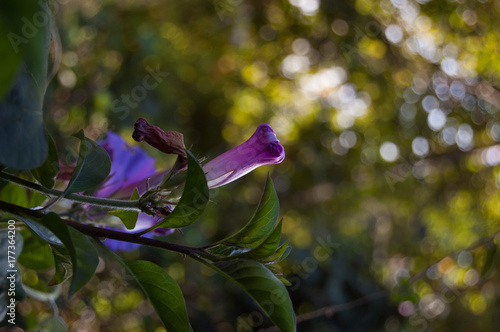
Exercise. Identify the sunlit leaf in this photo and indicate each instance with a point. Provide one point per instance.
(128, 217)
(17, 195)
(14, 194)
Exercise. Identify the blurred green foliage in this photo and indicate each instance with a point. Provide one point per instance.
(389, 114)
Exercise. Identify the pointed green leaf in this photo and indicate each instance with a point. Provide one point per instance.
(264, 287)
(92, 167)
(193, 201)
(256, 231)
(281, 253)
(269, 246)
(284, 281)
(77, 258)
(262, 223)
(128, 217)
(162, 291)
(23, 141)
(86, 258)
(46, 173)
(229, 251)
(264, 250)
(43, 232)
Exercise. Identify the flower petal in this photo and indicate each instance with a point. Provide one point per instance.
(262, 148)
(129, 165)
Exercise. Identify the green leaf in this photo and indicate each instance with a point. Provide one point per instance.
(42, 232)
(78, 258)
(129, 218)
(86, 258)
(63, 264)
(276, 270)
(264, 287)
(23, 141)
(14, 194)
(281, 253)
(17, 195)
(36, 252)
(269, 246)
(46, 173)
(162, 291)
(86, 262)
(266, 249)
(262, 223)
(92, 167)
(258, 230)
(193, 201)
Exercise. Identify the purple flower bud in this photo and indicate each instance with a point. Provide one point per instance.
(262, 148)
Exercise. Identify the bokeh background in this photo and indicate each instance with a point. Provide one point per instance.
(389, 114)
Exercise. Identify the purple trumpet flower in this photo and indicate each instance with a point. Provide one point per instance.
(262, 148)
(132, 168)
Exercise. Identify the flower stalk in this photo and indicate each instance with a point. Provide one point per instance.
(97, 201)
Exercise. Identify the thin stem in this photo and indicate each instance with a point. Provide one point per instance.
(105, 202)
(98, 232)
